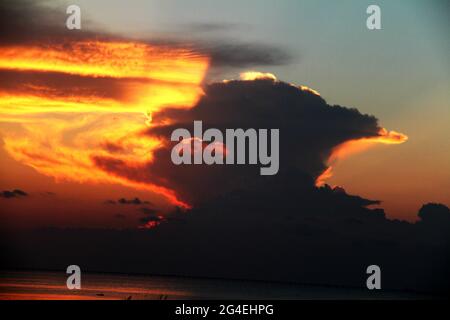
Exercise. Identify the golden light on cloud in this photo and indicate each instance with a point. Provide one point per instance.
(305, 88)
(108, 59)
(324, 176)
(59, 129)
(351, 147)
(255, 75)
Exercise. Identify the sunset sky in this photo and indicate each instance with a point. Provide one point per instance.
(165, 52)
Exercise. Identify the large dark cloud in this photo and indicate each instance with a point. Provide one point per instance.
(309, 130)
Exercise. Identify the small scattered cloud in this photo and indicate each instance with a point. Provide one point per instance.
(16, 193)
(151, 222)
(135, 201)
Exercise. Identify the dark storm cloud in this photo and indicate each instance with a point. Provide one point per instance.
(17, 193)
(282, 227)
(309, 130)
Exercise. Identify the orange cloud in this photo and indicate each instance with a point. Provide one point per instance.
(59, 130)
(351, 147)
(108, 59)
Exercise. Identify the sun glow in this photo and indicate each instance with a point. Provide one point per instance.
(60, 129)
(108, 59)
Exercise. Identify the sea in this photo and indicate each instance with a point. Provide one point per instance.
(46, 285)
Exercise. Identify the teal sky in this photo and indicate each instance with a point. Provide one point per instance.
(400, 74)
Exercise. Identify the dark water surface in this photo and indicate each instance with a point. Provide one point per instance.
(52, 285)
